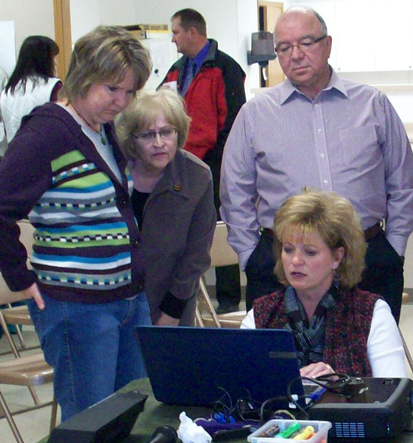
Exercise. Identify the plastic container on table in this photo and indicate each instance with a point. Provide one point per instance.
(263, 434)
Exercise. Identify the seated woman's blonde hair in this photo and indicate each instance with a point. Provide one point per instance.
(334, 218)
(144, 111)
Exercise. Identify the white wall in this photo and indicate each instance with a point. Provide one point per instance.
(84, 16)
(355, 36)
(34, 17)
(230, 22)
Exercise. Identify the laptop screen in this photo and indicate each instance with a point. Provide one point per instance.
(195, 366)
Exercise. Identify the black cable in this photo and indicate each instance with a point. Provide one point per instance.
(256, 407)
(247, 409)
(324, 381)
(292, 400)
(280, 398)
(221, 407)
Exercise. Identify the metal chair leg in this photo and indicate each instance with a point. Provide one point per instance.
(8, 336)
(10, 420)
(198, 318)
(208, 303)
(53, 418)
(20, 336)
(33, 393)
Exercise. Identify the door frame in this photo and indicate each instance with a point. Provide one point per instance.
(63, 36)
(274, 74)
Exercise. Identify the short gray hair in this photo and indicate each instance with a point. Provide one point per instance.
(311, 11)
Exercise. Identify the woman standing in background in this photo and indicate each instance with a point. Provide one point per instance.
(173, 203)
(32, 82)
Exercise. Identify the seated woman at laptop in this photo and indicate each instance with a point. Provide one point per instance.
(319, 250)
(173, 203)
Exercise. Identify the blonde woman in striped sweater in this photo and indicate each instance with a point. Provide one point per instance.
(64, 170)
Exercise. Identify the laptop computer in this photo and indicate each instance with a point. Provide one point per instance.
(192, 366)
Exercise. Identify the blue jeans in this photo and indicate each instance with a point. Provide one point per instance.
(91, 347)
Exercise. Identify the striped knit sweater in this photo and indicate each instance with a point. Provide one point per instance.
(87, 244)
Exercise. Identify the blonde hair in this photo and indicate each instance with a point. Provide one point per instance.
(143, 113)
(105, 54)
(334, 218)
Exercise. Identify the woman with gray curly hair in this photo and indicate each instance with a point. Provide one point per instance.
(172, 201)
(319, 248)
(64, 170)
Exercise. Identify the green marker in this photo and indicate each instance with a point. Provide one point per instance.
(292, 429)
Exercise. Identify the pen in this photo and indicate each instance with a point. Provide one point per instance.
(307, 433)
(292, 429)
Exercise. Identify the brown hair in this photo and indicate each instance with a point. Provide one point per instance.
(102, 55)
(191, 18)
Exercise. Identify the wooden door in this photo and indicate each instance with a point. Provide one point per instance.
(268, 13)
(63, 36)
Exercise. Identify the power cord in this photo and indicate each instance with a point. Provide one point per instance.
(338, 386)
(279, 413)
(249, 409)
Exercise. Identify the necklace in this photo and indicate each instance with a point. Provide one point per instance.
(100, 132)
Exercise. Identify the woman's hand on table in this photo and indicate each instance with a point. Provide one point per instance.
(316, 370)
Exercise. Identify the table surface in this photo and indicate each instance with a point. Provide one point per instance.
(157, 414)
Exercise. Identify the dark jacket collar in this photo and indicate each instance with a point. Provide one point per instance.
(210, 57)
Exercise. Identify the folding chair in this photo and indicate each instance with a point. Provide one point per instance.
(222, 254)
(17, 315)
(30, 371)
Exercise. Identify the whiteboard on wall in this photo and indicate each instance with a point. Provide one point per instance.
(7, 46)
(164, 55)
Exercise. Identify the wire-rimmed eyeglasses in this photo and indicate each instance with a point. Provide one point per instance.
(150, 136)
(306, 45)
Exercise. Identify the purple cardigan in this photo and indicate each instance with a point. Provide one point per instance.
(87, 243)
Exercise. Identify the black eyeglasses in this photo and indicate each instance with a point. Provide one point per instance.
(306, 45)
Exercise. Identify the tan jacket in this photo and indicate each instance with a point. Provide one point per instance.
(179, 223)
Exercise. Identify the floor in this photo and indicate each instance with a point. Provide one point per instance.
(34, 425)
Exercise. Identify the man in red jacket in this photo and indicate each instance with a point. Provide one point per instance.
(212, 84)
